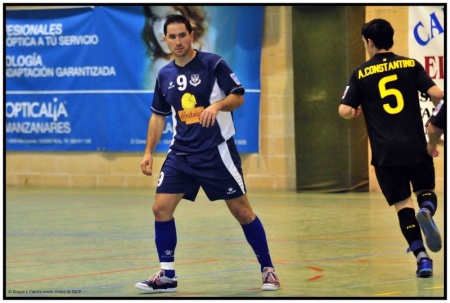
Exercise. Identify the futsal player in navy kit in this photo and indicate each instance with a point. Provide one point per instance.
(435, 128)
(385, 89)
(199, 91)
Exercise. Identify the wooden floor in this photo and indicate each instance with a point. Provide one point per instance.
(98, 243)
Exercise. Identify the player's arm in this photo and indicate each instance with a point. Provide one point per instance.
(155, 130)
(434, 135)
(436, 94)
(229, 103)
(348, 112)
(349, 97)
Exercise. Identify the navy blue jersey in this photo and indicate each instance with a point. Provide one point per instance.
(439, 116)
(386, 87)
(184, 92)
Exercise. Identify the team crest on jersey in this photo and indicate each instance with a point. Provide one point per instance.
(195, 80)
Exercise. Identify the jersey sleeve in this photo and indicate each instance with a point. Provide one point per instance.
(159, 105)
(226, 79)
(424, 82)
(352, 96)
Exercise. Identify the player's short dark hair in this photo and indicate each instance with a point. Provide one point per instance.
(380, 32)
(174, 18)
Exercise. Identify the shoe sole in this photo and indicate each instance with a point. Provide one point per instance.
(270, 287)
(432, 235)
(425, 273)
(145, 288)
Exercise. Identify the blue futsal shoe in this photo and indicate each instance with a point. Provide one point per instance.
(431, 232)
(424, 268)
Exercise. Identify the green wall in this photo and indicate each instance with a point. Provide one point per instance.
(331, 152)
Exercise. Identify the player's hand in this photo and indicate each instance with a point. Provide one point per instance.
(432, 150)
(356, 112)
(146, 164)
(208, 116)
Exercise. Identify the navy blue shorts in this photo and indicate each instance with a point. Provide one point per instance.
(395, 181)
(439, 116)
(218, 171)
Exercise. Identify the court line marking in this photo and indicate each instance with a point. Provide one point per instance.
(101, 273)
(434, 287)
(317, 269)
(316, 278)
(389, 293)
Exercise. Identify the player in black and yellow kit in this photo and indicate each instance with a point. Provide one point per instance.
(385, 89)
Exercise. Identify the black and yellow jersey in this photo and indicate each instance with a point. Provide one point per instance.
(386, 87)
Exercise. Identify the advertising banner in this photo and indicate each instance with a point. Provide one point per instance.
(426, 44)
(82, 78)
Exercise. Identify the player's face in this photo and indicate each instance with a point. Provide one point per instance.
(178, 39)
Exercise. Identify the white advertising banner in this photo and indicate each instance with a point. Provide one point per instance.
(426, 44)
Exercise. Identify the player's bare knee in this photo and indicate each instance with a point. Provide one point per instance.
(244, 215)
(161, 213)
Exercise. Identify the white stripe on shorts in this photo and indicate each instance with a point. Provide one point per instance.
(229, 164)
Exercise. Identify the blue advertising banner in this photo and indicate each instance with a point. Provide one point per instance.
(82, 79)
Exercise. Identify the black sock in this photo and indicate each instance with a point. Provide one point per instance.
(411, 230)
(428, 200)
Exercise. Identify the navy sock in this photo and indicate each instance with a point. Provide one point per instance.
(166, 241)
(256, 237)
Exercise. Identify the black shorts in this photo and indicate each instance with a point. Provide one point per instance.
(395, 181)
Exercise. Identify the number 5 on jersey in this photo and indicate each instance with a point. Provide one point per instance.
(384, 92)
